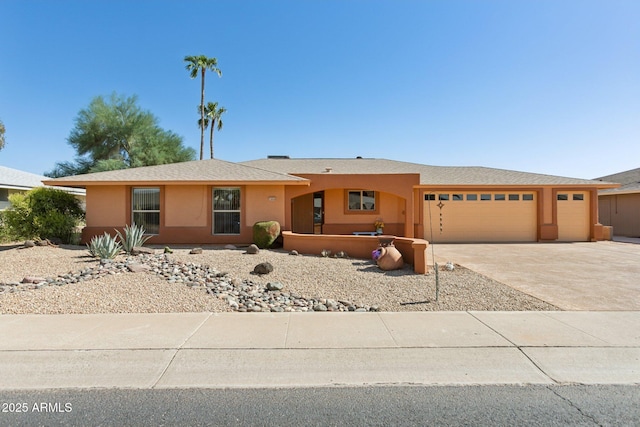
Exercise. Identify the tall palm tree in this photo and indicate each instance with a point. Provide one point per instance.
(214, 115)
(201, 64)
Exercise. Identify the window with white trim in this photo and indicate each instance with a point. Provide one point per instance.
(226, 210)
(145, 208)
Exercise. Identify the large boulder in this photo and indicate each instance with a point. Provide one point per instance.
(265, 233)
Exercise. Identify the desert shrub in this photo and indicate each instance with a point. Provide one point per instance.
(132, 237)
(5, 237)
(45, 213)
(104, 247)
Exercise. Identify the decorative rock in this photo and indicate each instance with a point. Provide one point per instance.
(230, 247)
(29, 244)
(325, 252)
(449, 266)
(138, 268)
(274, 286)
(293, 252)
(341, 254)
(44, 242)
(263, 268)
(252, 249)
(137, 250)
(195, 251)
(33, 279)
(242, 295)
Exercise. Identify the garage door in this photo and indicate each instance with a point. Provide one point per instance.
(481, 217)
(573, 216)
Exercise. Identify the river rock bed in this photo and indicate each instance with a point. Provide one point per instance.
(242, 295)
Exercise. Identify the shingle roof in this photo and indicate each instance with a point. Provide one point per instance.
(629, 180)
(19, 180)
(185, 172)
(429, 175)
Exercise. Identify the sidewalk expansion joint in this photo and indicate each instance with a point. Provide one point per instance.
(520, 349)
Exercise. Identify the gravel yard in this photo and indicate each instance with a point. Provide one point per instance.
(356, 280)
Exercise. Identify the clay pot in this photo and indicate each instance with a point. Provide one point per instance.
(390, 258)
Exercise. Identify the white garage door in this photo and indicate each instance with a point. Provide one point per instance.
(481, 217)
(573, 216)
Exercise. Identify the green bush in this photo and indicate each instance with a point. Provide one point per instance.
(104, 247)
(45, 213)
(133, 237)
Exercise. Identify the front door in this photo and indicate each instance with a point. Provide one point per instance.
(308, 213)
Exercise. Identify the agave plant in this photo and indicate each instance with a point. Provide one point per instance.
(133, 237)
(104, 247)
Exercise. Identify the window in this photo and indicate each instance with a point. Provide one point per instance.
(429, 196)
(443, 197)
(472, 197)
(578, 197)
(4, 194)
(499, 197)
(527, 197)
(226, 211)
(362, 200)
(145, 206)
(563, 197)
(457, 197)
(485, 197)
(514, 197)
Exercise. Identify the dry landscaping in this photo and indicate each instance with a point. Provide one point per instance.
(358, 283)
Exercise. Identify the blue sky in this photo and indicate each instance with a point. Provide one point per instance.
(545, 86)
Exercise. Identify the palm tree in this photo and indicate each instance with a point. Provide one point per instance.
(213, 114)
(195, 64)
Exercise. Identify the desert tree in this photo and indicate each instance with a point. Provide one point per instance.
(115, 133)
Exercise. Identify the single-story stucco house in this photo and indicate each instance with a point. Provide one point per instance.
(218, 202)
(17, 181)
(620, 207)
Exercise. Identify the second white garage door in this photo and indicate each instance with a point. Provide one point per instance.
(481, 217)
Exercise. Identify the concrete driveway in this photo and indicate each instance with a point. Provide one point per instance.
(572, 276)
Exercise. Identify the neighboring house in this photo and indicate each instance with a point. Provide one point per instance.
(620, 207)
(217, 202)
(16, 181)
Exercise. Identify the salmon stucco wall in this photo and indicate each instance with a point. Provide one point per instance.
(187, 206)
(265, 203)
(107, 206)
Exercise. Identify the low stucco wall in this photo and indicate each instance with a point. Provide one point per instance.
(414, 251)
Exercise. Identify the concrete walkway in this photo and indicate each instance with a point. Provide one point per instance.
(571, 276)
(205, 350)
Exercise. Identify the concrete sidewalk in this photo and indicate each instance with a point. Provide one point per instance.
(213, 350)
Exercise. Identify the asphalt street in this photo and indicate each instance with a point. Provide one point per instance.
(533, 405)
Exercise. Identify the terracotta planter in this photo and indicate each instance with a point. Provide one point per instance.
(390, 258)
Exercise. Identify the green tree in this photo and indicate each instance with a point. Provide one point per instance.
(117, 134)
(200, 64)
(2, 131)
(46, 213)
